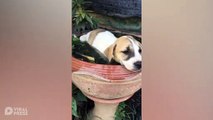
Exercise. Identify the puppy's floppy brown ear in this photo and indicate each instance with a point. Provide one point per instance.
(109, 52)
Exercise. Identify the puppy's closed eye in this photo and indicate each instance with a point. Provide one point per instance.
(127, 51)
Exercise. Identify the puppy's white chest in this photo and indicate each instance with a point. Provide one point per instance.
(103, 40)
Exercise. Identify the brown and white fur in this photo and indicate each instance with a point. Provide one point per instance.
(124, 50)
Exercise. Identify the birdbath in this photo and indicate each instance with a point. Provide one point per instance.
(106, 85)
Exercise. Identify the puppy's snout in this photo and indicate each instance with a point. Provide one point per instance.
(137, 64)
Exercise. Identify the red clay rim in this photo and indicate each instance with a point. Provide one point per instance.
(113, 72)
(103, 66)
(89, 63)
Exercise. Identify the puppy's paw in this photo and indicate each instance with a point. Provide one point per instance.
(83, 38)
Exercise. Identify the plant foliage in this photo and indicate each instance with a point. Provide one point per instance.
(81, 17)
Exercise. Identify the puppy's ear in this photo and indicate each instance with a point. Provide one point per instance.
(110, 52)
(139, 43)
(129, 36)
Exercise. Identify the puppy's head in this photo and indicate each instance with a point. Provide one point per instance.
(126, 51)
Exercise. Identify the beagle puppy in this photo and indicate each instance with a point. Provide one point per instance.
(124, 50)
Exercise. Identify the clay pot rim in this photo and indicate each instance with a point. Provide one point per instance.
(120, 66)
(103, 70)
(126, 81)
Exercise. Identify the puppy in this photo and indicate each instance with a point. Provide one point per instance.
(125, 50)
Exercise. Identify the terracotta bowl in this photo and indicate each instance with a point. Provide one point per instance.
(112, 72)
(105, 83)
(105, 90)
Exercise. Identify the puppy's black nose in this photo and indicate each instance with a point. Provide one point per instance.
(137, 64)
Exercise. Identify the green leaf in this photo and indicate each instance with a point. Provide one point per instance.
(74, 107)
(89, 19)
(120, 112)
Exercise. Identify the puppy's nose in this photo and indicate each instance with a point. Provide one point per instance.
(138, 64)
